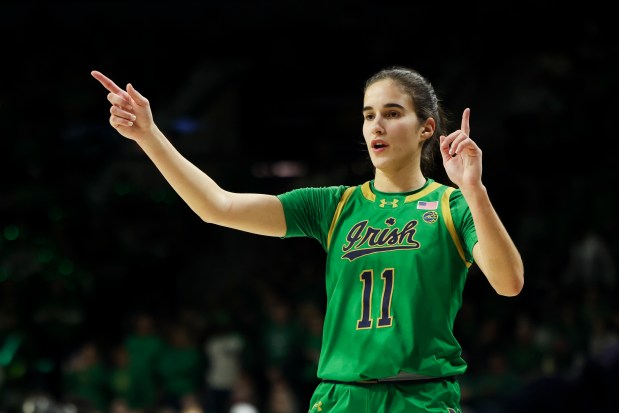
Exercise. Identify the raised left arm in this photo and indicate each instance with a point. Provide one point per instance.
(495, 253)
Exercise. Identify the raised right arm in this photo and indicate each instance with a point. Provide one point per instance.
(131, 116)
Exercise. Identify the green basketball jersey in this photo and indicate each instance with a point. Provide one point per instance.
(395, 271)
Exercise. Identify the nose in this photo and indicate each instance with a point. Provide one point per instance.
(378, 129)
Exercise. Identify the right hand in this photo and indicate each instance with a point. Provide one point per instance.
(130, 113)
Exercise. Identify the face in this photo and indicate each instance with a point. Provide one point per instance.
(392, 131)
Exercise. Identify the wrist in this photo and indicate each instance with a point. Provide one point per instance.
(472, 192)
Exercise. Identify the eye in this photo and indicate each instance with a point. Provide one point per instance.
(368, 116)
(393, 114)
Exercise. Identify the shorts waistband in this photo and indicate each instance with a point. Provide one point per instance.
(394, 380)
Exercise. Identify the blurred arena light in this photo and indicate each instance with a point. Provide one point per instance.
(279, 169)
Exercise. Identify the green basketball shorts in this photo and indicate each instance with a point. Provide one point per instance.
(441, 396)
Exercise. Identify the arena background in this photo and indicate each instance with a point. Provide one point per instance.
(266, 97)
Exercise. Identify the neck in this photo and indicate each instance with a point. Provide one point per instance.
(398, 182)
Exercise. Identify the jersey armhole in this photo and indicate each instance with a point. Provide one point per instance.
(449, 223)
(338, 211)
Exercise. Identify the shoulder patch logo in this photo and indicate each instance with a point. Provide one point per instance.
(430, 217)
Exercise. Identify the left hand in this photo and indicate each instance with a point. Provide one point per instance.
(461, 155)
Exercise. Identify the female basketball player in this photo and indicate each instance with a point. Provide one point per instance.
(398, 247)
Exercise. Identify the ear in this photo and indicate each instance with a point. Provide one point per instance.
(427, 130)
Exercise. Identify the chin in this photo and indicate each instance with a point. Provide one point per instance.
(378, 163)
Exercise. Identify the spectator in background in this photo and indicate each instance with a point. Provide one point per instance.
(567, 334)
(144, 345)
(590, 262)
(85, 380)
(180, 369)
(120, 380)
(280, 336)
(495, 385)
(281, 397)
(311, 320)
(603, 340)
(525, 356)
(224, 349)
(244, 397)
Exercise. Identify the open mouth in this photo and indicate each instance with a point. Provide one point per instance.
(379, 144)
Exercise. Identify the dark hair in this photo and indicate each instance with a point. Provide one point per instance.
(425, 104)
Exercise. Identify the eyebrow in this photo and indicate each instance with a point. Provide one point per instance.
(387, 105)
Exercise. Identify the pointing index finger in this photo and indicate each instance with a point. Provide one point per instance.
(464, 126)
(109, 84)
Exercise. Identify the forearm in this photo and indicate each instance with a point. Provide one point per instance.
(256, 213)
(201, 193)
(496, 254)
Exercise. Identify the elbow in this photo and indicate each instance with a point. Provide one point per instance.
(513, 287)
(207, 215)
(507, 279)
(511, 291)
(206, 219)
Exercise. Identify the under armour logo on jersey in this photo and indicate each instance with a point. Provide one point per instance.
(317, 406)
(394, 203)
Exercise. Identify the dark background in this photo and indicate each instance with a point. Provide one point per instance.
(244, 89)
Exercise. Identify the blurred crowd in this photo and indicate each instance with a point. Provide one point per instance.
(254, 344)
